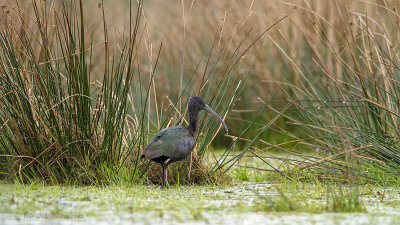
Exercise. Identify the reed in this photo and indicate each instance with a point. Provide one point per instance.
(343, 87)
(63, 122)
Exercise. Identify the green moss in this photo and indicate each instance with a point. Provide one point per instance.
(195, 203)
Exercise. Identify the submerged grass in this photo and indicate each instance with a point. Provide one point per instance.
(339, 199)
(185, 203)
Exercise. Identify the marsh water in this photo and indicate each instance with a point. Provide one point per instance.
(239, 203)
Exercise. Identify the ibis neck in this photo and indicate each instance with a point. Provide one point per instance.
(193, 121)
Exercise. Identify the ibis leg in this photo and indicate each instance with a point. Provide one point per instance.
(166, 176)
(163, 175)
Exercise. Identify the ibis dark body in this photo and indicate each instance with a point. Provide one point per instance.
(176, 143)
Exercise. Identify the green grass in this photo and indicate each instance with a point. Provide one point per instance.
(60, 123)
(337, 199)
(186, 203)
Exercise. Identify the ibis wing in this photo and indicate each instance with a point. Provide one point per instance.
(154, 147)
(170, 142)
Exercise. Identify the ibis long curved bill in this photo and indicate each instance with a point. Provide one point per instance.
(209, 110)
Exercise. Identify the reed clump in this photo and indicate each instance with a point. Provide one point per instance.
(76, 109)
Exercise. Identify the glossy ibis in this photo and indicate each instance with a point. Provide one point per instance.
(176, 143)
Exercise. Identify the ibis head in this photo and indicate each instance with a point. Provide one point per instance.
(196, 104)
